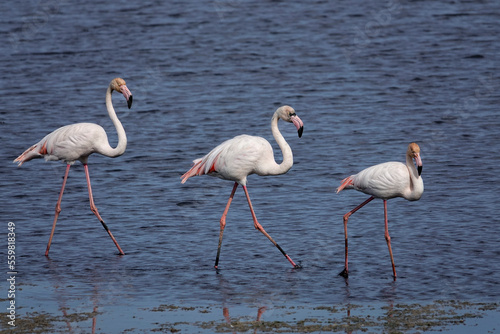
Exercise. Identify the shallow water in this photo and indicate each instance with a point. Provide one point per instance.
(365, 79)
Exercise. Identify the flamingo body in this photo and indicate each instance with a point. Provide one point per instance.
(244, 155)
(235, 159)
(76, 142)
(69, 143)
(386, 180)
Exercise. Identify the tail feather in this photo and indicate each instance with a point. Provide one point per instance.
(27, 155)
(346, 183)
(205, 165)
(195, 170)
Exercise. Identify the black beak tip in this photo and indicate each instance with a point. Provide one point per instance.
(129, 101)
(419, 169)
(300, 131)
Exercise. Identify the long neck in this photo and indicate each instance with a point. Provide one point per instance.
(416, 188)
(286, 151)
(416, 183)
(411, 167)
(122, 137)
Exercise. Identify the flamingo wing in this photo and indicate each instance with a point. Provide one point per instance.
(386, 180)
(68, 143)
(233, 159)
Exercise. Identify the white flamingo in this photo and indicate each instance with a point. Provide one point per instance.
(385, 181)
(76, 142)
(243, 155)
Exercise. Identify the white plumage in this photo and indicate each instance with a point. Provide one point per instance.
(389, 180)
(237, 158)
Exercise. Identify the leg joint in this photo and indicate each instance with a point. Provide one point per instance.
(104, 225)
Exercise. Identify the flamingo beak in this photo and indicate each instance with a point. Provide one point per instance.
(298, 124)
(129, 101)
(419, 163)
(127, 94)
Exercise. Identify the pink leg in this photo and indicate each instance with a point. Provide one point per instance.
(260, 228)
(388, 238)
(260, 311)
(94, 209)
(58, 209)
(345, 272)
(225, 313)
(94, 320)
(223, 223)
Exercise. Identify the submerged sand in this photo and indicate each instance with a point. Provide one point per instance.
(398, 318)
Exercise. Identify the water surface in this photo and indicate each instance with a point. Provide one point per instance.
(366, 79)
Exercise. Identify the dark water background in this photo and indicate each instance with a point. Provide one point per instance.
(365, 78)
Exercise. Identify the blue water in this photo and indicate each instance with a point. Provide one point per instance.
(366, 79)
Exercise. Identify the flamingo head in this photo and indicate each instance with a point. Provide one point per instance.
(288, 114)
(120, 86)
(414, 153)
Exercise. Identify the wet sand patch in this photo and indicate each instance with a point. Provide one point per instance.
(398, 318)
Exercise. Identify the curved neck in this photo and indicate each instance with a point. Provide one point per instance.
(122, 137)
(416, 188)
(411, 167)
(286, 151)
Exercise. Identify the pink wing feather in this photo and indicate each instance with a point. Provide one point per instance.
(346, 183)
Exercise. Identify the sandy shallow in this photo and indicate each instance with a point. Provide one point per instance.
(440, 316)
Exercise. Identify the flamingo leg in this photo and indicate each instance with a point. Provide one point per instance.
(260, 228)
(345, 272)
(94, 209)
(225, 313)
(388, 238)
(58, 209)
(260, 312)
(94, 320)
(223, 223)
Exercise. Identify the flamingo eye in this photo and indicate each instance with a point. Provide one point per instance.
(292, 114)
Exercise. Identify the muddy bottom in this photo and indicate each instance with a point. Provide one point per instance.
(449, 315)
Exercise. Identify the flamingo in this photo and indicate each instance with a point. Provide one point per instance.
(385, 181)
(243, 155)
(76, 142)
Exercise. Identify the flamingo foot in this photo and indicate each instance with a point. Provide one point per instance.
(295, 266)
(344, 273)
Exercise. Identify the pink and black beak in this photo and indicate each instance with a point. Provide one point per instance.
(418, 161)
(128, 95)
(298, 123)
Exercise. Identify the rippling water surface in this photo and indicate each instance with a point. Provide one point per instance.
(366, 79)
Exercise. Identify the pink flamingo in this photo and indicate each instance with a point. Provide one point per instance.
(76, 142)
(243, 155)
(385, 181)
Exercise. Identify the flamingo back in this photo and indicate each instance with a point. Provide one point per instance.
(234, 159)
(386, 180)
(68, 143)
